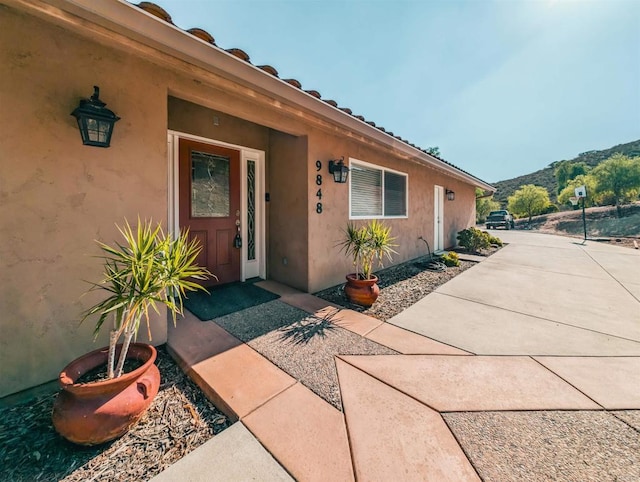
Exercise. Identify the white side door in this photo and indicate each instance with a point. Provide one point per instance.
(438, 217)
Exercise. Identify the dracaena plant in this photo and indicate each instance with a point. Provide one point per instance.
(150, 269)
(367, 245)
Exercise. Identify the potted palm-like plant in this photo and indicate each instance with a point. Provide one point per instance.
(367, 245)
(150, 269)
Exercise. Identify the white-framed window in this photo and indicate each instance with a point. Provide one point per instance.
(377, 192)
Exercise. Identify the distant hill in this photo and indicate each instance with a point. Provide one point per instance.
(545, 178)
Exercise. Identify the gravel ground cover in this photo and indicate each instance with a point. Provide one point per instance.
(630, 417)
(400, 287)
(179, 420)
(550, 445)
(302, 345)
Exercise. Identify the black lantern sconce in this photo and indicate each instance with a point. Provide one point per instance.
(339, 170)
(450, 194)
(95, 121)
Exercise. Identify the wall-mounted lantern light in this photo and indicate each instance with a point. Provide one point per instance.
(339, 170)
(95, 121)
(450, 194)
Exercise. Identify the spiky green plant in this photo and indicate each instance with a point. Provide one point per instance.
(367, 244)
(148, 270)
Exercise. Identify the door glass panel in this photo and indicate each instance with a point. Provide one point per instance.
(251, 210)
(209, 185)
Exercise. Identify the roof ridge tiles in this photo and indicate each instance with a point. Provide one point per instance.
(156, 10)
(294, 82)
(241, 54)
(202, 35)
(269, 69)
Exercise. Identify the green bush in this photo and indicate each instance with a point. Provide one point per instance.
(551, 208)
(473, 240)
(494, 239)
(451, 259)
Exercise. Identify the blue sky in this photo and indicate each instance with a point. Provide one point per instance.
(503, 88)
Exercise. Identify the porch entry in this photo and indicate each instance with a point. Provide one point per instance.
(438, 217)
(217, 192)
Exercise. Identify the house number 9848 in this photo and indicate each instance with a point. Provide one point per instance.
(319, 183)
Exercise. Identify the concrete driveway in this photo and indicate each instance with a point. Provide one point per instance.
(525, 367)
(559, 307)
(540, 295)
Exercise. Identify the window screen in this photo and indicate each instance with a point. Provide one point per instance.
(377, 192)
(395, 194)
(366, 189)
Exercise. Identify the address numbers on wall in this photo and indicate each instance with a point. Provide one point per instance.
(319, 191)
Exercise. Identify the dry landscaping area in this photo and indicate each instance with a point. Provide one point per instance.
(400, 287)
(603, 224)
(179, 420)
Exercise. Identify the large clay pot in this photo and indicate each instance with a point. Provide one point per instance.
(94, 413)
(363, 292)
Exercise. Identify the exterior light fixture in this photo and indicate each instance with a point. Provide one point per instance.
(95, 121)
(450, 195)
(339, 170)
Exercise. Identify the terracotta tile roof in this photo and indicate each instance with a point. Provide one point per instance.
(156, 10)
(314, 93)
(294, 82)
(269, 69)
(241, 54)
(202, 34)
(159, 12)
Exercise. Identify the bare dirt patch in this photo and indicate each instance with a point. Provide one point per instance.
(603, 224)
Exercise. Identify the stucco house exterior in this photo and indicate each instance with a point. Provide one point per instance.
(190, 111)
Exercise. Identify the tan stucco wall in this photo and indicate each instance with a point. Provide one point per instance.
(57, 195)
(288, 255)
(329, 267)
(194, 119)
(460, 213)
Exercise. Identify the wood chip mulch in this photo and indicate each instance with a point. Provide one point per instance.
(179, 420)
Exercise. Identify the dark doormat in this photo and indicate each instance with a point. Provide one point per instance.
(225, 299)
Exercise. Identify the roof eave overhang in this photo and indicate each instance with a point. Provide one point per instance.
(132, 22)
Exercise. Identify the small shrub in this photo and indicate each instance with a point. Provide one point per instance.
(473, 239)
(451, 259)
(495, 240)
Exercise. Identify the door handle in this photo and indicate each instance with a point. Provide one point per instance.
(237, 240)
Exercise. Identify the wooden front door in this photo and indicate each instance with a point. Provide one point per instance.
(209, 180)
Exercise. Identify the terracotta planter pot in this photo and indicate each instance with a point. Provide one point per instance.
(362, 292)
(94, 413)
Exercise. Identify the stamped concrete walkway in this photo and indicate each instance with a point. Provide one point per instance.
(524, 367)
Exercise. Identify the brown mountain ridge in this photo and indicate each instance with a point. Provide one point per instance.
(545, 178)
